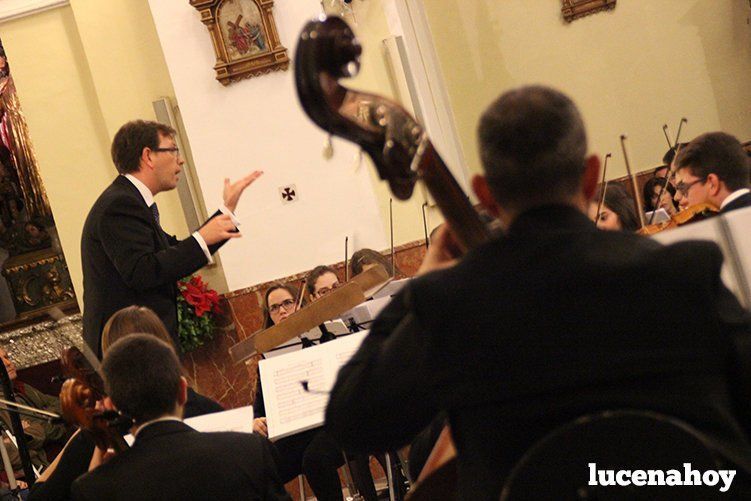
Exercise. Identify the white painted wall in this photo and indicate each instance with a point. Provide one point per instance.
(259, 124)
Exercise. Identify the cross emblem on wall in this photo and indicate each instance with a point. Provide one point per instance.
(288, 193)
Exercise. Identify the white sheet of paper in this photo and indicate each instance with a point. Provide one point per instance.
(289, 408)
(240, 419)
(703, 230)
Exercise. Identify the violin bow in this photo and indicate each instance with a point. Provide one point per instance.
(671, 169)
(637, 198)
(604, 185)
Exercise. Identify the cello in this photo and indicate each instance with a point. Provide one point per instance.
(399, 148)
(79, 395)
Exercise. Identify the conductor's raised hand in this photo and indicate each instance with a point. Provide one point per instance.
(233, 191)
(218, 229)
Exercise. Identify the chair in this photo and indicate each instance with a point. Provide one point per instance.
(556, 467)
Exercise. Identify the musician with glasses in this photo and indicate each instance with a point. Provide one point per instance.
(714, 169)
(127, 257)
(312, 453)
(320, 281)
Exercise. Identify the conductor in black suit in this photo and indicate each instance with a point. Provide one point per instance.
(544, 324)
(169, 460)
(713, 168)
(127, 257)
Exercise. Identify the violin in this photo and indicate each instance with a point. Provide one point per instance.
(695, 213)
(398, 145)
(80, 393)
(692, 214)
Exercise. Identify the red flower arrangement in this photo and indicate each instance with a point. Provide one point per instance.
(196, 306)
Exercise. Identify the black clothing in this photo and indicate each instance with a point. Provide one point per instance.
(77, 455)
(314, 454)
(128, 259)
(739, 203)
(171, 461)
(536, 328)
(198, 405)
(74, 463)
(422, 445)
(311, 453)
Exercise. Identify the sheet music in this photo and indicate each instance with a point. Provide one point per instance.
(289, 408)
(739, 245)
(709, 229)
(239, 419)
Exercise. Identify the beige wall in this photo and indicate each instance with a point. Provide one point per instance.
(81, 71)
(371, 27)
(630, 70)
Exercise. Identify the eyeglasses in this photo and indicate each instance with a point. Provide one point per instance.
(325, 290)
(287, 304)
(174, 150)
(683, 188)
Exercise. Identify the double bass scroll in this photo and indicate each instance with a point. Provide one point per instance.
(397, 144)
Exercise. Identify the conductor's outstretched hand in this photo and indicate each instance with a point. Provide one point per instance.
(233, 191)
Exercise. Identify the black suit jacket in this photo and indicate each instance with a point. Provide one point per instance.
(128, 259)
(171, 461)
(739, 203)
(550, 322)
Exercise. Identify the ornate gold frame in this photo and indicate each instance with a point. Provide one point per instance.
(574, 9)
(274, 58)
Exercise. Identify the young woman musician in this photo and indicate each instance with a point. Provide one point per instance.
(312, 453)
(618, 212)
(142, 320)
(364, 259)
(652, 189)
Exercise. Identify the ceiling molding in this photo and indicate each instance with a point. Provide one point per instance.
(13, 9)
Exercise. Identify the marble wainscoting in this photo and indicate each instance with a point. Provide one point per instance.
(233, 385)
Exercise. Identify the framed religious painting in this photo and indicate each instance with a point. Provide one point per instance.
(245, 38)
(574, 9)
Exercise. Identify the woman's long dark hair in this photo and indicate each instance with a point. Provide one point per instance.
(620, 202)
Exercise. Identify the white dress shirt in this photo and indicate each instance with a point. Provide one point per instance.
(733, 196)
(148, 198)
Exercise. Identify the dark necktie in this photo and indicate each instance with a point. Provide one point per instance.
(155, 212)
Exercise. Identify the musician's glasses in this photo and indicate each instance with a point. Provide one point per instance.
(683, 188)
(287, 304)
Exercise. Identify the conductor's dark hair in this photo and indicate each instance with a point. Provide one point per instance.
(130, 141)
(533, 147)
(716, 153)
(142, 376)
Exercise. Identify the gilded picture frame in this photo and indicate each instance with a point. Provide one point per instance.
(245, 38)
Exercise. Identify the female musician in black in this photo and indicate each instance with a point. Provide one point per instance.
(312, 453)
(618, 211)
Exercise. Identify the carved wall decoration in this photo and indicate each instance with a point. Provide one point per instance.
(34, 276)
(245, 38)
(574, 9)
(39, 281)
